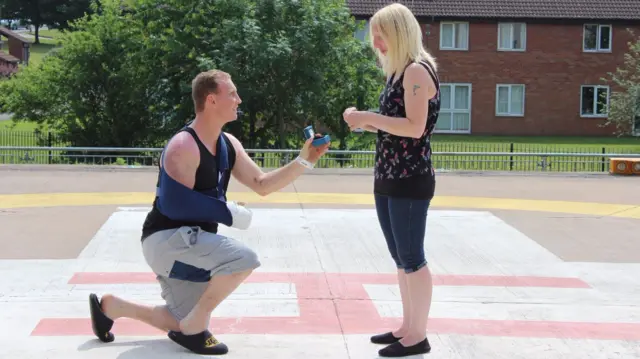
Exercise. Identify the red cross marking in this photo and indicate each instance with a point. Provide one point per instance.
(337, 303)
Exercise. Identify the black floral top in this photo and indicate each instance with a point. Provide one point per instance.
(403, 165)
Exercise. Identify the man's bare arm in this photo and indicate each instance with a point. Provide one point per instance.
(249, 174)
(181, 159)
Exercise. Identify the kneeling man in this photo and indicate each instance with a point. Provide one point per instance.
(196, 267)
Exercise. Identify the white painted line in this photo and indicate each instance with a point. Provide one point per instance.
(241, 346)
(506, 295)
(479, 347)
(571, 312)
(145, 292)
(346, 240)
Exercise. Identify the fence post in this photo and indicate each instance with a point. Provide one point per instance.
(511, 158)
(603, 159)
(50, 142)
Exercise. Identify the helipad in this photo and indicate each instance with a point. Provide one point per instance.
(327, 283)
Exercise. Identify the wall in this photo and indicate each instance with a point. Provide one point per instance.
(553, 67)
(15, 48)
(7, 68)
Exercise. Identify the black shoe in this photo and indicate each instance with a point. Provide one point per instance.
(203, 343)
(100, 323)
(398, 350)
(385, 338)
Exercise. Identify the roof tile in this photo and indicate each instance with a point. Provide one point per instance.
(542, 9)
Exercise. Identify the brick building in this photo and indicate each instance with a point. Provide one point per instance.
(18, 45)
(522, 67)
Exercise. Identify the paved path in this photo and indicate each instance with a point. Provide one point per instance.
(549, 273)
(573, 216)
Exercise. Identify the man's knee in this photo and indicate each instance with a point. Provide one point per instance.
(241, 259)
(249, 259)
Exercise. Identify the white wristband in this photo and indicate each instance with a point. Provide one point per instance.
(304, 162)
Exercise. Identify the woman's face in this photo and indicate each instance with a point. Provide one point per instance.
(378, 41)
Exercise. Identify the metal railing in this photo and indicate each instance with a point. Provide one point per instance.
(273, 158)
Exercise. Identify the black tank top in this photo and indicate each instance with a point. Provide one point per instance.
(403, 166)
(206, 182)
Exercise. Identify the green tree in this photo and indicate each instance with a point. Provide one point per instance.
(624, 102)
(53, 13)
(123, 76)
(352, 79)
(181, 39)
(294, 62)
(90, 90)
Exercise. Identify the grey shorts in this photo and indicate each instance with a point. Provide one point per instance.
(186, 258)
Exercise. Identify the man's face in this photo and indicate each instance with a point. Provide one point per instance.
(225, 103)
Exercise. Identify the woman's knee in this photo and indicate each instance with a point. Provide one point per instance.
(411, 254)
(414, 265)
(384, 219)
(409, 219)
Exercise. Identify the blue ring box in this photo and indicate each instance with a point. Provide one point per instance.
(308, 133)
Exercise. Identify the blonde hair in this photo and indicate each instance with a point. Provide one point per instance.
(206, 83)
(403, 37)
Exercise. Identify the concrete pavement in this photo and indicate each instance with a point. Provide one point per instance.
(578, 217)
(520, 272)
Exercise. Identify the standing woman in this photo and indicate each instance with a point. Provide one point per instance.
(404, 177)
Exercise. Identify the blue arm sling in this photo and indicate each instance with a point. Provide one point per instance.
(178, 202)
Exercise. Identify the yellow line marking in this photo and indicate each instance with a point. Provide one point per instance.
(73, 199)
(146, 199)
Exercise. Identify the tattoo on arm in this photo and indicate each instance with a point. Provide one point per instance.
(415, 87)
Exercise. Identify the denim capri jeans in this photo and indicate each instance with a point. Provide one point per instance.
(403, 222)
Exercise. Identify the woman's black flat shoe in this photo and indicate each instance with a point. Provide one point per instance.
(385, 338)
(398, 350)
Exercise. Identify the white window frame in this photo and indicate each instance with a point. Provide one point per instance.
(598, 38)
(595, 115)
(524, 42)
(463, 47)
(635, 122)
(509, 113)
(454, 111)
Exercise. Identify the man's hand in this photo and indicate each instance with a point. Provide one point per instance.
(240, 215)
(312, 153)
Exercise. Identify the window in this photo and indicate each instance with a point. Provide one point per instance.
(596, 38)
(594, 101)
(454, 36)
(25, 53)
(363, 34)
(512, 36)
(455, 109)
(510, 100)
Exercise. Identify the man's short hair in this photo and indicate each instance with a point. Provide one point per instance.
(204, 84)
